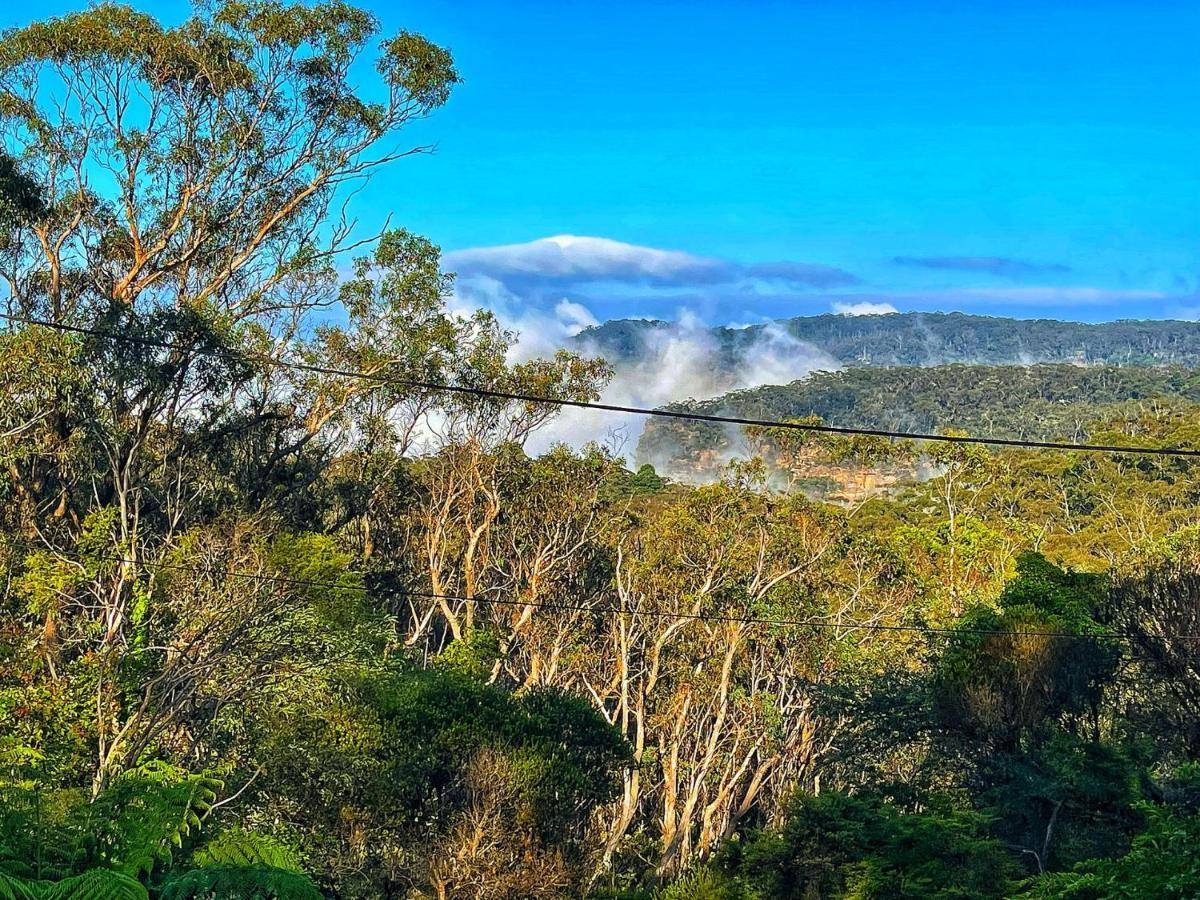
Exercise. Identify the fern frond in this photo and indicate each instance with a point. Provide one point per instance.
(147, 813)
(13, 888)
(95, 884)
(239, 847)
(13, 865)
(240, 883)
(42, 825)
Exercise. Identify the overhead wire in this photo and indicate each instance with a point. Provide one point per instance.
(690, 415)
(517, 396)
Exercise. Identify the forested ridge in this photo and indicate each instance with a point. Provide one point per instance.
(281, 618)
(932, 338)
(1049, 402)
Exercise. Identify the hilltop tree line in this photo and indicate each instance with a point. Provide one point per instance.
(1043, 402)
(269, 628)
(930, 339)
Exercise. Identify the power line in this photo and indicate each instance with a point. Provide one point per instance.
(529, 398)
(609, 609)
(517, 396)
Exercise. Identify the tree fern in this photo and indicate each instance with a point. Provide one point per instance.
(94, 884)
(40, 831)
(111, 842)
(223, 882)
(146, 814)
(13, 888)
(239, 847)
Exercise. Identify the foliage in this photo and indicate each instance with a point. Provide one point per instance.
(1150, 607)
(238, 847)
(280, 617)
(252, 882)
(1161, 863)
(94, 884)
(624, 483)
(413, 758)
(1007, 671)
(835, 845)
(561, 751)
(134, 825)
(703, 884)
(146, 814)
(474, 655)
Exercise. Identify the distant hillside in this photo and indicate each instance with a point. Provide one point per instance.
(928, 339)
(1046, 401)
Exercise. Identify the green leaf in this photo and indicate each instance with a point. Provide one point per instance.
(239, 847)
(240, 883)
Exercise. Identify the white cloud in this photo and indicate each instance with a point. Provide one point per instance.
(571, 257)
(552, 266)
(540, 332)
(677, 362)
(864, 308)
(574, 316)
(682, 360)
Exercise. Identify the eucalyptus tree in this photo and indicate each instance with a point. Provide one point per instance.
(192, 182)
(190, 186)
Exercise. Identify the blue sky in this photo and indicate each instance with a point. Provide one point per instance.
(1006, 157)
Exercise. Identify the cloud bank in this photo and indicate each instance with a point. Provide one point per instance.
(550, 290)
(570, 262)
(679, 361)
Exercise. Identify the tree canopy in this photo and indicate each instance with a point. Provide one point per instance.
(282, 618)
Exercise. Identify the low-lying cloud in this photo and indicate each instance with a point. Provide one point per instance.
(540, 330)
(677, 361)
(548, 291)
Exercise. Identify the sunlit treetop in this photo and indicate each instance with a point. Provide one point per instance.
(201, 164)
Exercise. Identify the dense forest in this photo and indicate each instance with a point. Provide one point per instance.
(1050, 402)
(283, 617)
(929, 339)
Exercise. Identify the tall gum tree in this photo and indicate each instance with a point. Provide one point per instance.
(190, 186)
